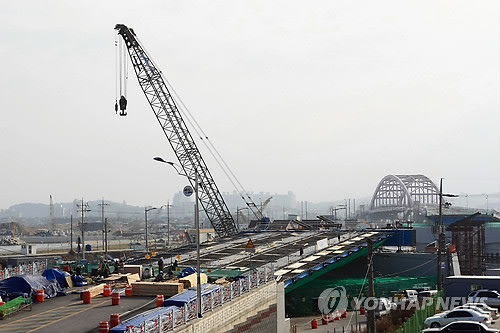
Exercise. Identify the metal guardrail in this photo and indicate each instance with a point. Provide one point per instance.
(36, 268)
(218, 296)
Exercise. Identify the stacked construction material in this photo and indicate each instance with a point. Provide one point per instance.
(166, 289)
(133, 269)
(190, 280)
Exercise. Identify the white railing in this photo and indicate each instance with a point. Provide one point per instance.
(36, 268)
(218, 296)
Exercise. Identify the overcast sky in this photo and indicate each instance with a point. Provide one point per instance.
(322, 98)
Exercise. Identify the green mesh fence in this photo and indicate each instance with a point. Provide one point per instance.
(416, 321)
(303, 301)
(13, 305)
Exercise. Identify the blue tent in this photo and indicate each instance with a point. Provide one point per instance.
(27, 285)
(55, 274)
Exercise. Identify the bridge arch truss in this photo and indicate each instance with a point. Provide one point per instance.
(403, 194)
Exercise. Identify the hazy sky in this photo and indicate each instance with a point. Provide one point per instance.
(323, 98)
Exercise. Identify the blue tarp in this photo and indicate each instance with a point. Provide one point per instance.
(28, 285)
(187, 271)
(79, 280)
(55, 274)
(139, 319)
(189, 295)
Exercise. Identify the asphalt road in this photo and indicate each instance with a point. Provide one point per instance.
(69, 314)
(338, 326)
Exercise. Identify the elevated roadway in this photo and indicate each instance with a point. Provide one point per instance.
(294, 255)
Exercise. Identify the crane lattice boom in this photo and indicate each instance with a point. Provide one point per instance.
(174, 127)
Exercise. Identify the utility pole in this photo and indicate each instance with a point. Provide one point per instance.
(371, 289)
(102, 204)
(71, 234)
(83, 208)
(441, 235)
(354, 208)
(238, 217)
(168, 222)
(106, 238)
(345, 203)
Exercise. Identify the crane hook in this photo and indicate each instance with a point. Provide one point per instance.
(123, 106)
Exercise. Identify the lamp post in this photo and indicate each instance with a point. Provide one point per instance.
(441, 235)
(197, 226)
(146, 210)
(168, 222)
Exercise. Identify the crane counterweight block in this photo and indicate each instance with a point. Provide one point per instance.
(175, 129)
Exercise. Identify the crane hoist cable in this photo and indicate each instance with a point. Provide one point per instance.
(121, 77)
(217, 156)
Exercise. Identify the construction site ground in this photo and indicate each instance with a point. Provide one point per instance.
(69, 314)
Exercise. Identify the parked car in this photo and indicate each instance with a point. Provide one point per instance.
(488, 297)
(475, 308)
(427, 293)
(463, 327)
(493, 311)
(408, 295)
(384, 307)
(444, 318)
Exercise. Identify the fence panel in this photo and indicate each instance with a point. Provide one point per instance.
(152, 326)
(167, 321)
(179, 317)
(217, 297)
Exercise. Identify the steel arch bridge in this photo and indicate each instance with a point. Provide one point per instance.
(403, 195)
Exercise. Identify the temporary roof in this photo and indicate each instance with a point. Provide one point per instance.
(141, 318)
(188, 295)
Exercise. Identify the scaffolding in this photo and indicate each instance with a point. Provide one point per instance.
(468, 236)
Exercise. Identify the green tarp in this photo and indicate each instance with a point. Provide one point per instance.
(303, 301)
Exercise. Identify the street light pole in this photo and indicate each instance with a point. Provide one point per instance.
(440, 237)
(146, 210)
(197, 226)
(197, 223)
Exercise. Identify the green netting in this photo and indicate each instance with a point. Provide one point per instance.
(303, 301)
(218, 273)
(13, 305)
(416, 322)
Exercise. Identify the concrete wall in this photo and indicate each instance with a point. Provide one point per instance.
(237, 311)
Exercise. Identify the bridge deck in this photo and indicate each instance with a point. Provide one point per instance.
(280, 248)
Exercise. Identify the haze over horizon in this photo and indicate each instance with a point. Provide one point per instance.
(322, 99)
